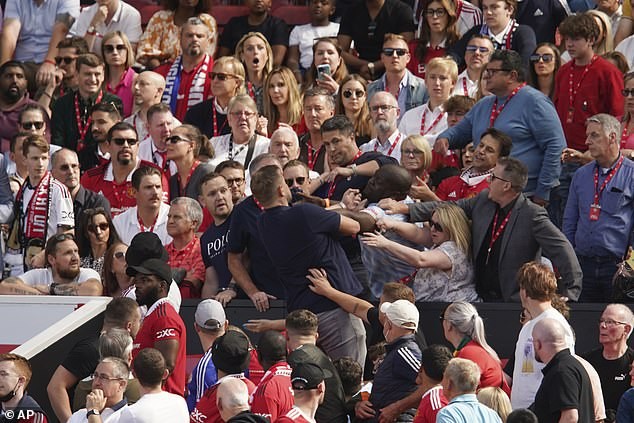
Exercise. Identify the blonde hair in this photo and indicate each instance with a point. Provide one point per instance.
(496, 399)
(268, 65)
(238, 70)
(294, 103)
(421, 144)
(605, 27)
(129, 57)
(455, 222)
(445, 64)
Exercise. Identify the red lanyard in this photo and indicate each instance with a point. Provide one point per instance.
(83, 129)
(181, 188)
(312, 160)
(464, 87)
(116, 190)
(389, 152)
(215, 119)
(572, 91)
(424, 131)
(333, 184)
(624, 135)
(495, 233)
(598, 191)
(250, 90)
(509, 35)
(143, 228)
(495, 110)
(257, 203)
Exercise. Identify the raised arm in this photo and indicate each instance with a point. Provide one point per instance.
(350, 304)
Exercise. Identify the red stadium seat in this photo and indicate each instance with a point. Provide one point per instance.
(147, 12)
(293, 15)
(223, 13)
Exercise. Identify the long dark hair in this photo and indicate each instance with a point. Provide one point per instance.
(533, 80)
(109, 279)
(83, 242)
(425, 33)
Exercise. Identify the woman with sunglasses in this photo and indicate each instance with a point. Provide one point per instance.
(416, 157)
(464, 329)
(627, 122)
(118, 57)
(545, 62)
(282, 101)
(227, 81)
(160, 42)
(116, 282)
(439, 31)
(326, 51)
(255, 53)
(95, 235)
(445, 272)
(352, 101)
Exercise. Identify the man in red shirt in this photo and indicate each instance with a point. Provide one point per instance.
(274, 395)
(162, 326)
(308, 384)
(230, 354)
(186, 79)
(114, 179)
(493, 145)
(432, 367)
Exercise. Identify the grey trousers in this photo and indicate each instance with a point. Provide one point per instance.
(342, 335)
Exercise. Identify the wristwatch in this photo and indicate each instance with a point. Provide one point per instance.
(92, 30)
(371, 68)
(93, 412)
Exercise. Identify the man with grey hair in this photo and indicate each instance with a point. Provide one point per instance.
(183, 220)
(459, 384)
(318, 107)
(385, 112)
(565, 394)
(600, 212)
(284, 144)
(233, 402)
(613, 358)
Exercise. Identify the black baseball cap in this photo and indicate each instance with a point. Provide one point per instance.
(152, 266)
(230, 352)
(306, 376)
(145, 246)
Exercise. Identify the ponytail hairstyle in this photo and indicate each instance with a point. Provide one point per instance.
(465, 318)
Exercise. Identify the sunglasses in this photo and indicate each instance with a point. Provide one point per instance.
(546, 58)
(175, 139)
(389, 52)
(119, 255)
(64, 237)
(473, 49)
(66, 60)
(110, 48)
(121, 141)
(300, 181)
(237, 181)
(356, 93)
(102, 226)
(27, 126)
(628, 92)
(435, 226)
(221, 76)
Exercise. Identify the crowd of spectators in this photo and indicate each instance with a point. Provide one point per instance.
(383, 152)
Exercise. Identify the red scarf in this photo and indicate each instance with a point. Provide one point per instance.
(36, 219)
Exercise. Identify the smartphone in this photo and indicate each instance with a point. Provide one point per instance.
(323, 70)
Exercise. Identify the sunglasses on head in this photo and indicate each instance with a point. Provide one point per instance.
(221, 76)
(64, 237)
(357, 93)
(546, 58)
(300, 181)
(121, 141)
(66, 60)
(110, 48)
(102, 226)
(389, 52)
(27, 126)
(175, 139)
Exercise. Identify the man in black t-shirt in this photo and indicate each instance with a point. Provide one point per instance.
(258, 20)
(613, 358)
(565, 393)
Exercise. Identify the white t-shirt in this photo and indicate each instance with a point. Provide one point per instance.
(627, 48)
(527, 372)
(464, 81)
(238, 151)
(45, 276)
(79, 416)
(304, 36)
(61, 212)
(152, 408)
(127, 225)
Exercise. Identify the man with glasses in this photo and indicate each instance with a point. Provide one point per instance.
(62, 275)
(521, 112)
(385, 112)
(187, 79)
(598, 218)
(104, 17)
(614, 357)
(397, 80)
(109, 382)
(15, 375)
(296, 175)
(65, 168)
(114, 179)
(233, 172)
(71, 117)
(507, 231)
(477, 55)
(318, 106)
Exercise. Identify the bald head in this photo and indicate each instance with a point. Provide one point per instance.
(232, 397)
(549, 337)
(148, 88)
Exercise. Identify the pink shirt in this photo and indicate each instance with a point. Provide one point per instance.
(123, 90)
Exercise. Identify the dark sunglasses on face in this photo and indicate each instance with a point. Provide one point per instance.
(66, 60)
(389, 52)
(357, 93)
(628, 92)
(102, 226)
(481, 49)
(221, 76)
(64, 237)
(175, 139)
(110, 48)
(546, 58)
(435, 226)
(27, 126)
(300, 181)
(121, 141)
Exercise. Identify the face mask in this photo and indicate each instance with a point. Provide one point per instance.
(8, 397)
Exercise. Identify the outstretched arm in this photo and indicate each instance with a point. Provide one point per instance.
(350, 304)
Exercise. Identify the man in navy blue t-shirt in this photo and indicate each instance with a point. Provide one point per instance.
(302, 237)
